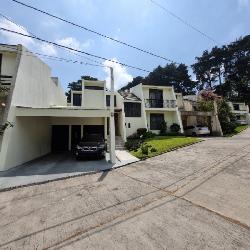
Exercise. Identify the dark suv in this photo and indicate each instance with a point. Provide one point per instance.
(91, 145)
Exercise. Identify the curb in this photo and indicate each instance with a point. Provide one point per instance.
(93, 172)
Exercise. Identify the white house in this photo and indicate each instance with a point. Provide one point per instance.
(146, 106)
(44, 122)
(241, 111)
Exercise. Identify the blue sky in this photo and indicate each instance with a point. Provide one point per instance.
(137, 22)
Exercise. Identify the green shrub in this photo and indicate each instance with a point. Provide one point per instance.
(148, 134)
(144, 148)
(141, 131)
(132, 144)
(175, 128)
(153, 150)
(133, 136)
(163, 128)
(206, 106)
(226, 118)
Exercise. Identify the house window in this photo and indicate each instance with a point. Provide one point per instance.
(156, 121)
(155, 98)
(77, 99)
(94, 87)
(236, 107)
(108, 100)
(132, 109)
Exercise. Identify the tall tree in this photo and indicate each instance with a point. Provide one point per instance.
(170, 75)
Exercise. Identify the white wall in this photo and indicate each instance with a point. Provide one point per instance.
(8, 63)
(169, 116)
(34, 86)
(93, 99)
(28, 139)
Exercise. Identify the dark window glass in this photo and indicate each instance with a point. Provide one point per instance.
(1, 64)
(132, 109)
(155, 98)
(77, 99)
(108, 100)
(94, 87)
(156, 121)
(236, 106)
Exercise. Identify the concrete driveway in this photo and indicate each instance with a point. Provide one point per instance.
(193, 198)
(56, 166)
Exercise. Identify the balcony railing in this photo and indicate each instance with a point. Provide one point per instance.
(157, 103)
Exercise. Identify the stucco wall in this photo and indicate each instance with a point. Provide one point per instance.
(135, 123)
(28, 139)
(93, 99)
(169, 116)
(34, 86)
(8, 63)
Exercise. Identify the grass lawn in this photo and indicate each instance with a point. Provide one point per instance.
(163, 144)
(237, 130)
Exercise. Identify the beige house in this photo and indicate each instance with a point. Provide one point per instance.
(241, 112)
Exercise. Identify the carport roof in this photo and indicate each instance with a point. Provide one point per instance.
(61, 111)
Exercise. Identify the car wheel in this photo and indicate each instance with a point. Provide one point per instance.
(194, 134)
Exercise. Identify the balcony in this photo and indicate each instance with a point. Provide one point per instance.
(157, 103)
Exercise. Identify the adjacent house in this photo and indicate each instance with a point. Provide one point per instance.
(241, 112)
(192, 115)
(147, 106)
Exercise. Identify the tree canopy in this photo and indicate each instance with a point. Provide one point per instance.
(226, 70)
(170, 75)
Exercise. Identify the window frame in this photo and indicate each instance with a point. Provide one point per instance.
(131, 111)
(156, 124)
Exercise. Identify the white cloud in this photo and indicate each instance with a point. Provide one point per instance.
(48, 49)
(28, 42)
(74, 43)
(14, 38)
(243, 3)
(121, 76)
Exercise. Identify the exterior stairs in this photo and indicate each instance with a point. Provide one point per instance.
(119, 143)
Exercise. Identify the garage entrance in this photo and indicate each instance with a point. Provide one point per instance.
(60, 138)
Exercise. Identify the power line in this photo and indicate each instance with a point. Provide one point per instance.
(25, 29)
(72, 49)
(94, 32)
(54, 58)
(183, 21)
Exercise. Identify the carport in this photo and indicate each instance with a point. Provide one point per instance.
(39, 131)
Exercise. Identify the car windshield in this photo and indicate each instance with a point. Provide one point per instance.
(92, 137)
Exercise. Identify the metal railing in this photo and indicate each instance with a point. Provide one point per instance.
(158, 103)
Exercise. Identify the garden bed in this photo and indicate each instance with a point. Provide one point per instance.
(237, 130)
(162, 144)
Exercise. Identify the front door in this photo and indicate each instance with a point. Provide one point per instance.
(75, 135)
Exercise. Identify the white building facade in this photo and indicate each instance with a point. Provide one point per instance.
(241, 112)
(43, 121)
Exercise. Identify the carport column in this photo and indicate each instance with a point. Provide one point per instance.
(112, 120)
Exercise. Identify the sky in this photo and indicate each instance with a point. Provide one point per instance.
(140, 23)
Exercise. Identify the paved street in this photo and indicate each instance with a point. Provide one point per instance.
(193, 198)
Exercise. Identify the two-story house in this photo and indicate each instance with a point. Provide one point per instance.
(37, 107)
(241, 112)
(147, 106)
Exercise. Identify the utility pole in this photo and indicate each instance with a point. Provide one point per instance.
(112, 119)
